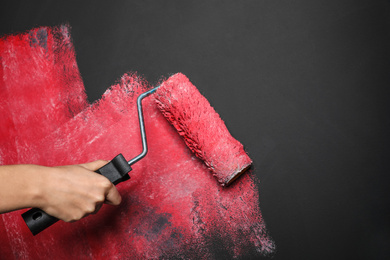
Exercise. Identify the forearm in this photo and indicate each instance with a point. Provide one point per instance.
(21, 186)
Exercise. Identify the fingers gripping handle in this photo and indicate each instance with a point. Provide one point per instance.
(116, 171)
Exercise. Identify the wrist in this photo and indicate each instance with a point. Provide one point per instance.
(21, 186)
(38, 180)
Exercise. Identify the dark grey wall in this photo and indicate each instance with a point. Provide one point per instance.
(304, 85)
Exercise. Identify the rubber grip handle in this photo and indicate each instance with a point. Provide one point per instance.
(116, 171)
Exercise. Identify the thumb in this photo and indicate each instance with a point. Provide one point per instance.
(113, 197)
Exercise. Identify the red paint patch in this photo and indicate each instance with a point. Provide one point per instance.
(172, 206)
(40, 87)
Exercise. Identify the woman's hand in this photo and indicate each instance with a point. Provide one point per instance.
(65, 192)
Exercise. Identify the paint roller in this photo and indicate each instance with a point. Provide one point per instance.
(198, 124)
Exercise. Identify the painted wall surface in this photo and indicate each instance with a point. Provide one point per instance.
(172, 207)
(303, 85)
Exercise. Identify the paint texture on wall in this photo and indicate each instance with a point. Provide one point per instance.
(40, 87)
(172, 207)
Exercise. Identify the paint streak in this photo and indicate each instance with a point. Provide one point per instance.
(40, 87)
(172, 206)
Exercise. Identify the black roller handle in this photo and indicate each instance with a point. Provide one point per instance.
(116, 171)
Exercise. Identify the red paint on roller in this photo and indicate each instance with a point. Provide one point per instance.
(172, 207)
(202, 129)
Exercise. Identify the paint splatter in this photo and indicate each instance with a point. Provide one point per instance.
(172, 206)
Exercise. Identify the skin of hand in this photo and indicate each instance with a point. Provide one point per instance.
(66, 192)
